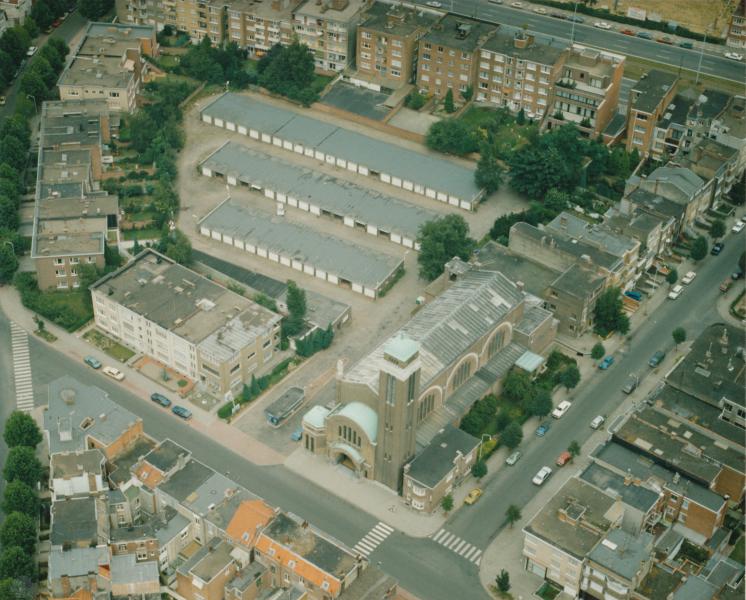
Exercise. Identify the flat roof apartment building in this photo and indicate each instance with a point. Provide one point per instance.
(257, 25)
(387, 43)
(517, 72)
(449, 54)
(649, 101)
(328, 28)
(586, 91)
(186, 321)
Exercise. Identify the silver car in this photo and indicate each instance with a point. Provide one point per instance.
(513, 458)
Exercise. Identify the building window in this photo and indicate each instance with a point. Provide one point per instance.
(426, 406)
(462, 374)
(496, 343)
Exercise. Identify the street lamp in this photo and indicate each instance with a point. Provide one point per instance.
(701, 56)
(574, 19)
(36, 110)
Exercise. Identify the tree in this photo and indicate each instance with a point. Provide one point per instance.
(488, 174)
(19, 530)
(598, 351)
(608, 314)
(512, 435)
(296, 303)
(672, 277)
(32, 84)
(540, 404)
(440, 241)
(517, 386)
(12, 42)
(556, 200)
(21, 430)
(179, 248)
(699, 248)
(513, 515)
(502, 581)
(679, 336)
(570, 377)
(574, 450)
(22, 465)
(15, 563)
(415, 100)
(94, 9)
(14, 152)
(19, 497)
(479, 469)
(13, 589)
(446, 503)
(521, 118)
(448, 102)
(468, 93)
(451, 136)
(717, 229)
(290, 72)
(8, 259)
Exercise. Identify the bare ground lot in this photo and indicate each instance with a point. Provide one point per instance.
(372, 321)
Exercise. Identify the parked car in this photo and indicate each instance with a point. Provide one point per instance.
(675, 292)
(542, 429)
(687, 45)
(606, 363)
(495, 1)
(473, 496)
(160, 399)
(627, 32)
(434, 4)
(726, 285)
(92, 362)
(598, 421)
(540, 11)
(657, 358)
(575, 19)
(2, 100)
(542, 476)
(734, 55)
(631, 384)
(602, 25)
(113, 372)
(563, 459)
(182, 412)
(736, 275)
(31, 51)
(644, 35)
(561, 409)
(634, 294)
(516, 4)
(717, 248)
(665, 40)
(738, 227)
(56, 23)
(513, 458)
(688, 278)
(297, 435)
(557, 15)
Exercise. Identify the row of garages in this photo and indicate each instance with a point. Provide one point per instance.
(330, 259)
(430, 176)
(318, 193)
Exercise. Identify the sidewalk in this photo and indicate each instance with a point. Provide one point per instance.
(135, 383)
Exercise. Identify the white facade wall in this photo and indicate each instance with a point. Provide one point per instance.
(62, 487)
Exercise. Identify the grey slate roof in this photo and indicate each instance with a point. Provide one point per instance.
(636, 496)
(70, 404)
(165, 455)
(650, 90)
(431, 171)
(186, 481)
(695, 588)
(435, 462)
(597, 234)
(341, 198)
(276, 234)
(447, 326)
(622, 553)
(75, 521)
(76, 562)
(683, 183)
(126, 570)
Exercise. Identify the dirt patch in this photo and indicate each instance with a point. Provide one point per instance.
(172, 380)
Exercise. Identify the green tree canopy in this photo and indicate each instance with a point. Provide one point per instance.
(19, 529)
(512, 435)
(446, 503)
(540, 404)
(21, 430)
(21, 464)
(488, 174)
(598, 351)
(570, 377)
(679, 335)
(451, 136)
(513, 515)
(290, 72)
(14, 589)
(699, 248)
(296, 303)
(440, 241)
(95, 9)
(479, 469)
(672, 277)
(608, 314)
(20, 497)
(574, 449)
(15, 563)
(517, 386)
(448, 101)
(717, 229)
(8, 259)
(502, 582)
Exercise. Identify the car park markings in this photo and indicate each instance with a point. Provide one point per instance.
(22, 368)
(374, 538)
(455, 544)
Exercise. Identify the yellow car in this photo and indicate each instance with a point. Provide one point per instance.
(473, 496)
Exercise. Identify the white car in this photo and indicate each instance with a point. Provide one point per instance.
(516, 4)
(540, 11)
(31, 51)
(561, 409)
(602, 25)
(598, 421)
(738, 227)
(675, 292)
(734, 55)
(113, 373)
(542, 476)
(688, 278)
(434, 4)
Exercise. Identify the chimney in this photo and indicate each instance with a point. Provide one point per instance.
(522, 40)
(520, 285)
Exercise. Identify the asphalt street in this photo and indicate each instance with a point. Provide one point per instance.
(585, 33)
(694, 310)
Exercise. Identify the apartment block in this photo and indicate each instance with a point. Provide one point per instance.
(387, 43)
(517, 72)
(329, 29)
(715, 163)
(204, 331)
(617, 565)
(449, 55)
(586, 91)
(257, 26)
(736, 37)
(649, 101)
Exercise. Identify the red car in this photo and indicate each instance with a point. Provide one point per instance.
(665, 40)
(627, 32)
(56, 23)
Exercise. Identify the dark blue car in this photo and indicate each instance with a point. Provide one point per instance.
(182, 412)
(160, 399)
(634, 294)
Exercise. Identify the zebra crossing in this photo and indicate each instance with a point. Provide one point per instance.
(458, 545)
(22, 368)
(373, 538)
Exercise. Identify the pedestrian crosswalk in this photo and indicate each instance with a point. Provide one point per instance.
(22, 368)
(373, 538)
(459, 546)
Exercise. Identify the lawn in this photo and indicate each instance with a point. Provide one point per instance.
(738, 551)
(150, 233)
(141, 216)
(508, 135)
(320, 82)
(105, 343)
(478, 116)
(66, 309)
